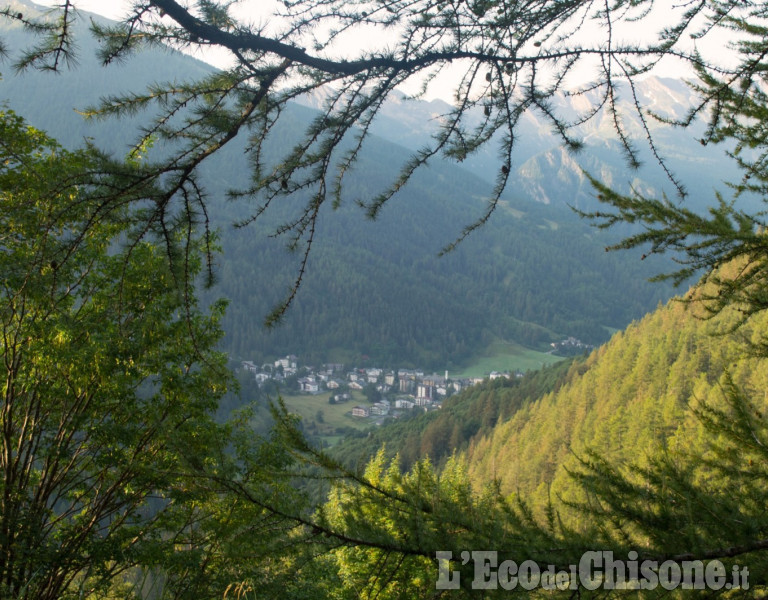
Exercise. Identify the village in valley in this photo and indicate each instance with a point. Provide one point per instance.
(388, 392)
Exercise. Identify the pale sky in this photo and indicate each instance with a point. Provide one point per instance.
(109, 8)
(114, 9)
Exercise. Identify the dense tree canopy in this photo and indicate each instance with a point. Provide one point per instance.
(109, 379)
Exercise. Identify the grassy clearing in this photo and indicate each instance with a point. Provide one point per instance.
(334, 416)
(506, 356)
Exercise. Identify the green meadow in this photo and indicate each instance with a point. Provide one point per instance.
(324, 419)
(507, 356)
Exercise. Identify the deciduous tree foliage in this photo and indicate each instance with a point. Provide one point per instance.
(109, 378)
(116, 480)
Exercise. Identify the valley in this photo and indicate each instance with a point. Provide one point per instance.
(235, 367)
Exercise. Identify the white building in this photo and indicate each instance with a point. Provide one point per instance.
(289, 362)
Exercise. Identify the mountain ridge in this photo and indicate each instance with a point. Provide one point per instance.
(634, 397)
(631, 398)
(701, 169)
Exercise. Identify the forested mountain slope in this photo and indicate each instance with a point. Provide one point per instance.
(633, 398)
(630, 398)
(463, 419)
(654, 444)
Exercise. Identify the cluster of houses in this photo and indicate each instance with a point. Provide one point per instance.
(409, 388)
(570, 346)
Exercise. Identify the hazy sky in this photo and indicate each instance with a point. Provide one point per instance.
(108, 8)
(116, 8)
